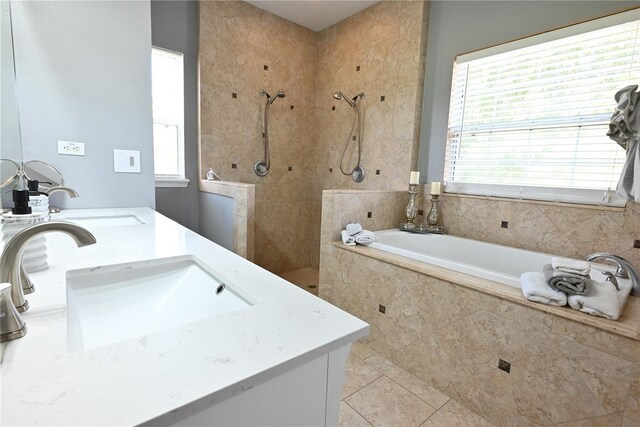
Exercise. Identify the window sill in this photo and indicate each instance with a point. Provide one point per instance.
(172, 182)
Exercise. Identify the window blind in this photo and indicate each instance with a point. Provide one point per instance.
(168, 113)
(532, 120)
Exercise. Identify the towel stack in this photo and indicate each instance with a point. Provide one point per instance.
(568, 281)
(568, 275)
(355, 234)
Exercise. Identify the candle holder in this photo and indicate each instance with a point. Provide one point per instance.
(434, 215)
(412, 209)
(433, 225)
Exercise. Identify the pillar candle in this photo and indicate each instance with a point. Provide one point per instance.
(415, 177)
(436, 188)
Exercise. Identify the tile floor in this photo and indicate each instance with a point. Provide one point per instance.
(305, 278)
(379, 393)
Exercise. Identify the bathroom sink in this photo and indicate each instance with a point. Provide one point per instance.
(114, 303)
(116, 219)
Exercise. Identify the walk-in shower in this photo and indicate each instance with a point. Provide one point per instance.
(261, 168)
(357, 173)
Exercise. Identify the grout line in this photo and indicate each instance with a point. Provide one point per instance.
(415, 395)
(370, 382)
(356, 411)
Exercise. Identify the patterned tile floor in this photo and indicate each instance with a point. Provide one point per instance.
(305, 278)
(379, 393)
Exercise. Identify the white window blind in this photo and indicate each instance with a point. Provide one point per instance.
(168, 113)
(529, 118)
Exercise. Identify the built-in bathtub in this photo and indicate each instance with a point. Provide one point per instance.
(502, 264)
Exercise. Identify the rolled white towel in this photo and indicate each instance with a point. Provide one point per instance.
(535, 288)
(574, 266)
(347, 239)
(602, 299)
(353, 228)
(365, 237)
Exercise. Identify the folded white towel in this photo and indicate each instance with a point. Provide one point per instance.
(574, 266)
(347, 239)
(535, 288)
(365, 237)
(602, 299)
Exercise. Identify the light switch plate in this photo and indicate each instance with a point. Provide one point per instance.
(126, 161)
(71, 148)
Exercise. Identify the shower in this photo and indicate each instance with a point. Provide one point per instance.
(261, 168)
(357, 173)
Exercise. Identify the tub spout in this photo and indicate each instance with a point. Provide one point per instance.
(624, 269)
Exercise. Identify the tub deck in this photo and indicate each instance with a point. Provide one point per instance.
(627, 325)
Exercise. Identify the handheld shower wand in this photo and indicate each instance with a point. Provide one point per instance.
(261, 168)
(357, 173)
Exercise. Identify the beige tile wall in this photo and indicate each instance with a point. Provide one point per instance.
(381, 52)
(452, 337)
(237, 42)
(387, 41)
(568, 230)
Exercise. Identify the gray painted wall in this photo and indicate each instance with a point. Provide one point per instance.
(174, 26)
(457, 27)
(216, 219)
(84, 74)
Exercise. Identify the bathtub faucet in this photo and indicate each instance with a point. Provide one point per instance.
(624, 269)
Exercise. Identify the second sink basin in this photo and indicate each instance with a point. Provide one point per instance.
(114, 303)
(115, 219)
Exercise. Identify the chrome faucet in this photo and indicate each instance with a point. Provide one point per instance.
(11, 259)
(624, 269)
(68, 190)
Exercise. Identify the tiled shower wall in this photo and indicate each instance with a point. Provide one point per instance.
(244, 49)
(379, 51)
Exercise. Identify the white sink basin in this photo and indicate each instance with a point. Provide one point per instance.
(114, 303)
(116, 219)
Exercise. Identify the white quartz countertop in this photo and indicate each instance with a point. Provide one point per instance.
(134, 381)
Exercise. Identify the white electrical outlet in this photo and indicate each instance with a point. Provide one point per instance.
(71, 148)
(126, 161)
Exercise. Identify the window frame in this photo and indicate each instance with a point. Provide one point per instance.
(171, 180)
(531, 192)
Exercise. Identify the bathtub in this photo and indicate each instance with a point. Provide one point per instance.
(502, 264)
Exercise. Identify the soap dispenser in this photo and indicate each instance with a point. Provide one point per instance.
(38, 201)
(22, 215)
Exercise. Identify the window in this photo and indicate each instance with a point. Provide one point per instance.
(168, 117)
(529, 118)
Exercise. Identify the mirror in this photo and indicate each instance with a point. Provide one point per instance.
(9, 171)
(10, 143)
(47, 175)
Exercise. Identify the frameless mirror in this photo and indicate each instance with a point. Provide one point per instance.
(10, 144)
(47, 175)
(9, 171)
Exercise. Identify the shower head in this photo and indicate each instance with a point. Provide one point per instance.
(279, 94)
(339, 95)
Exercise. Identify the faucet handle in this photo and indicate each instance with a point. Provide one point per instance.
(611, 278)
(11, 324)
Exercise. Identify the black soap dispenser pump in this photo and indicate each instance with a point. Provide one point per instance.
(21, 202)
